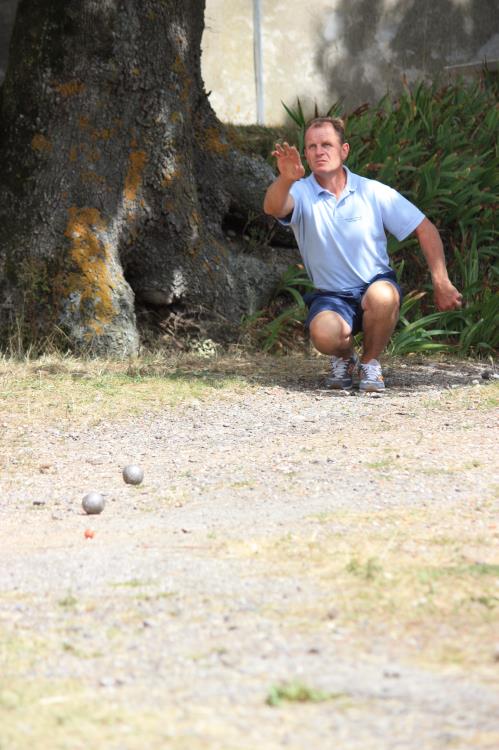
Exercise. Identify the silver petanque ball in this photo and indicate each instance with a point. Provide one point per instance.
(93, 503)
(133, 474)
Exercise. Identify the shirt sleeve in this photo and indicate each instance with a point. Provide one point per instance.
(400, 216)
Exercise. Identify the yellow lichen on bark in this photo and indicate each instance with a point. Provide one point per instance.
(91, 177)
(133, 180)
(214, 143)
(71, 88)
(40, 143)
(187, 83)
(101, 134)
(169, 177)
(90, 254)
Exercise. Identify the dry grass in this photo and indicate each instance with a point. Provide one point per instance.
(54, 387)
(426, 580)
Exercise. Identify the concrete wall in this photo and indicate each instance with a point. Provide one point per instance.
(325, 50)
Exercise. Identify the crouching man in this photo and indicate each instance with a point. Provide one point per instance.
(339, 220)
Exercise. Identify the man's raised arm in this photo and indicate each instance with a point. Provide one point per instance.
(278, 201)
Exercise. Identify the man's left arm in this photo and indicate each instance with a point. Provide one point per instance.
(446, 295)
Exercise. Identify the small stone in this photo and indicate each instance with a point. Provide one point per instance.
(38, 502)
(332, 614)
(391, 672)
(93, 503)
(486, 374)
(107, 682)
(133, 474)
(475, 382)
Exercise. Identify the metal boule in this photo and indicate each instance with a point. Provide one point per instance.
(93, 503)
(133, 474)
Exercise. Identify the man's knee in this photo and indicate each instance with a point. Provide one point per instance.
(330, 333)
(381, 296)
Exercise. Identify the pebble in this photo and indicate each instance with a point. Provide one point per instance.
(109, 682)
(391, 672)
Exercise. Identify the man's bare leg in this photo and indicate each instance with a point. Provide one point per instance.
(381, 305)
(331, 334)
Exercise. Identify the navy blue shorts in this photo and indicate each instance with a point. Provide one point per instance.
(346, 303)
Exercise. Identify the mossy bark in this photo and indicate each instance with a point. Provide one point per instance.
(117, 176)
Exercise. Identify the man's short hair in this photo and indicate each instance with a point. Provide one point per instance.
(336, 122)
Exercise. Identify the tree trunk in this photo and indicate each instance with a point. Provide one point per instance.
(116, 175)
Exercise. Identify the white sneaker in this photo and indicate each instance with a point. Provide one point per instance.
(371, 377)
(342, 372)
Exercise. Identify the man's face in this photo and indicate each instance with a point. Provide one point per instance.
(323, 150)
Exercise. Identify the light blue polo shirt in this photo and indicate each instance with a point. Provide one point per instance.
(343, 242)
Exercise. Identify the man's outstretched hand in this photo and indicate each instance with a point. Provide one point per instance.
(288, 161)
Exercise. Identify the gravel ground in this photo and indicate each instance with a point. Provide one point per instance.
(170, 626)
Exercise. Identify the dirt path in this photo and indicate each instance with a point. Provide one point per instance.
(287, 543)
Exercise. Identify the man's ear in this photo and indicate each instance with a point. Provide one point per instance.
(345, 150)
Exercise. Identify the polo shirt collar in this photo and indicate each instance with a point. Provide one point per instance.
(350, 186)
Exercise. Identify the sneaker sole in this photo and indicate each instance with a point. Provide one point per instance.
(371, 388)
(335, 387)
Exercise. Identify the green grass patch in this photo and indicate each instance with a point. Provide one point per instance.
(297, 692)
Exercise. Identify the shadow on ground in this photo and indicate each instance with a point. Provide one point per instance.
(297, 372)
(309, 373)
